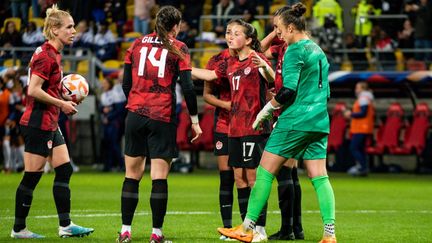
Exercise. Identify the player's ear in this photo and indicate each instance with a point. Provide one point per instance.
(248, 41)
(54, 31)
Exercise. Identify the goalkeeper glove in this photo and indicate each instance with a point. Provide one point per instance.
(265, 114)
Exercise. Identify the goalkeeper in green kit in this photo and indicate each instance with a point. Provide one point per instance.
(302, 128)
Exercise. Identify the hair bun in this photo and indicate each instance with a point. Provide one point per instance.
(298, 9)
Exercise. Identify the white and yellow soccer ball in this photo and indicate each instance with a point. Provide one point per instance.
(74, 87)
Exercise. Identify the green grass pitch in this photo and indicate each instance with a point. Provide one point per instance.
(379, 208)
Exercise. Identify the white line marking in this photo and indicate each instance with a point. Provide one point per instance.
(141, 213)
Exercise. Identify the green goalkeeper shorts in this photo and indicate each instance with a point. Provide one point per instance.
(298, 144)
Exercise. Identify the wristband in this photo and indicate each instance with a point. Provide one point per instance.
(194, 119)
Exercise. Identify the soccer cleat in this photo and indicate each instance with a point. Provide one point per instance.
(299, 235)
(74, 230)
(328, 239)
(259, 237)
(125, 237)
(298, 232)
(225, 238)
(237, 233)
(154, 238)
(282, 236)
(25, 234)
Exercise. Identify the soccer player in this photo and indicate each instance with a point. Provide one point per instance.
(289, 190)
(248, 74)
(218, 94)
(302, 128)
(39, 126)
(152, 65)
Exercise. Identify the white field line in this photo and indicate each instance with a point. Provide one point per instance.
(92, 213)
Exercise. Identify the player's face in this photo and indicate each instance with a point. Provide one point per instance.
(276, 26)
(228, 31)
(237, 39)
(66, 32)
(286, 32)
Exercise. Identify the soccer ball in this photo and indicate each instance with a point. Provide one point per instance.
(74, 87)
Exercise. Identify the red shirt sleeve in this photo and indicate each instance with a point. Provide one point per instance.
(128, 54)
(274, 50)
(221, 69)
(185, 62)
(41, 65)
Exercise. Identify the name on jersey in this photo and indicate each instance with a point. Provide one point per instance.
(151, 39)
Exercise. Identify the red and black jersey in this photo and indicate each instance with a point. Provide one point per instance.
(278, 51)
(45, 63)
(155, 71)
(222, 90)
(276, 41)
(248, 95)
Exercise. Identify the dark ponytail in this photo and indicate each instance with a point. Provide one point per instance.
(166, 19)
(295, 16)
(252, 33)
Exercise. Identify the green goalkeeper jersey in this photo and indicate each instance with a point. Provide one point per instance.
(305, 70)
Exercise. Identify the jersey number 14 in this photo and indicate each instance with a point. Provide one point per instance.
(152, 58)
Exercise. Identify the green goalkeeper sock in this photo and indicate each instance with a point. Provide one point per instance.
(260, 193)
(326, 198)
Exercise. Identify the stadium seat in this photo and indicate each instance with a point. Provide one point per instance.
(388, 133)
(184, 129)
(338, 125)
(10, 63)
(400, 60)
(346, 66)
(130, 11)
(113, 64)
(416, 133)
(207, 124)
(131, 36)
(17, 22)
(83, 67)
(110, 66)
(275, 6)
(38, 21)
(66, 65)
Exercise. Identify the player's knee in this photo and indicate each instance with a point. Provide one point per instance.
(63, 172)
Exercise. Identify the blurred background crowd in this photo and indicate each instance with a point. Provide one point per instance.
(360, 35)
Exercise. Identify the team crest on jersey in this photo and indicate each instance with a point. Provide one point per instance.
(38, 50)
(247, 70)
(49, 144)
(219, 145)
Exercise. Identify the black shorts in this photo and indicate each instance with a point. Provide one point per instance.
(220, 141)
(41, 142)
(148, 137)
(245, 152)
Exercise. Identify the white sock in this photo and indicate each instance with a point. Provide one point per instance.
(248, 224)
(126, 228)
(329, 230)
(157, 231)
(20, 159)
(7, 154)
